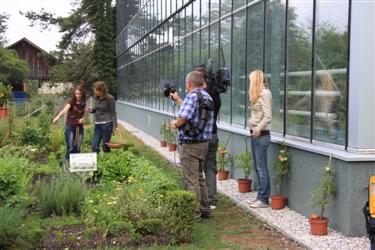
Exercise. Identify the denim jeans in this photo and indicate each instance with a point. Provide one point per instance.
(102, 132)
(73, 144)
(259, 148)
(210, 169)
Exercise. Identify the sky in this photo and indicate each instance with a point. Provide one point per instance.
(19, 26)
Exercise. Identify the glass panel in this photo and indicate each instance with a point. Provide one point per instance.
(300, 15)
(189, 20)
(214, 13)
(238, 3)
(239, 69)
(196, 50)
(214, 45)
(225, 43)
(188, 51)
(226, 7)
(204, 45)
(331, 64)
(204, 12)
(197, 16)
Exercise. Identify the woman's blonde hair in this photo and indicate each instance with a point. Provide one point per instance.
(100, 85)
(257, 81)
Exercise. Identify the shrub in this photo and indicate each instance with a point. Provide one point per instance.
(10, 222)
(62, 196)
(179, 215)
(115, 166)
(14, 179)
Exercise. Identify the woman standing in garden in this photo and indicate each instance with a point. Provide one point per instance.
(105, 117)
(74, 121)
(261, 116)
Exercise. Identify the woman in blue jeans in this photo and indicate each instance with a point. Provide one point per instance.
(261, 116)
(74, 121)
(105, 117)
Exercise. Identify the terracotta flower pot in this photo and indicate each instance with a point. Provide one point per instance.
(3, 111)
(222, 175)
(172, 147)
(278, 201)
(163, 143)
(244, 185)
(319, 226)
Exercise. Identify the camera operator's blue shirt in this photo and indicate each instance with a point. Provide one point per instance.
(190, 111)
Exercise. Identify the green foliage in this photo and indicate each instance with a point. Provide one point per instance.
(3, 26)
(245, 163)
(5, 93)
(163, 130)
(282, 167)
(169, 133)
(14, 179)
(114, 166)
(10, 223)
(64, 195)
(12, 68)
(223, 158)
(35, 134)
(326, 187)
(180, 215)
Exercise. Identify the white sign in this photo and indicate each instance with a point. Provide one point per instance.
(82, 162)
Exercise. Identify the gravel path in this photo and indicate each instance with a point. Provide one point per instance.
(287, 221)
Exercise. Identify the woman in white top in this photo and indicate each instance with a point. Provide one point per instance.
(261, 116)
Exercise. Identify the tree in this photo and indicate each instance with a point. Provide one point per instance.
(76, 65)
(12, 68)
(3, 27)
(88, 17)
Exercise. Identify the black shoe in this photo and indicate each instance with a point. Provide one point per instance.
(206, 215)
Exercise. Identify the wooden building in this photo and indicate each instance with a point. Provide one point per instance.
(36, 58)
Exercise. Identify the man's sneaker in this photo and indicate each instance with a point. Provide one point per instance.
(259, 204)
(213, 207)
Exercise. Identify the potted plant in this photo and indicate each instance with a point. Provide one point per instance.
(163, 133)
(282, 169)
(5, 96)
(245, 163)
(222, 158)
(170, 135)
(320, 198)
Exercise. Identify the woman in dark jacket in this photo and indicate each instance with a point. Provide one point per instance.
(74, 121)
(105, 117)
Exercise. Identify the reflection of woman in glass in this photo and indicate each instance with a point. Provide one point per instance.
(74, 121)
(261, 116)
(326, 100)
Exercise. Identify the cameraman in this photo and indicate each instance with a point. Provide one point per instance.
(210, 169)
(194, 147)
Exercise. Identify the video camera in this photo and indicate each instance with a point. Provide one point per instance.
(219, 82)
(168, 87)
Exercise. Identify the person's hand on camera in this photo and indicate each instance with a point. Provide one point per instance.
(80, 121)
(176, 97)
(89, 110)
(116, 131)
